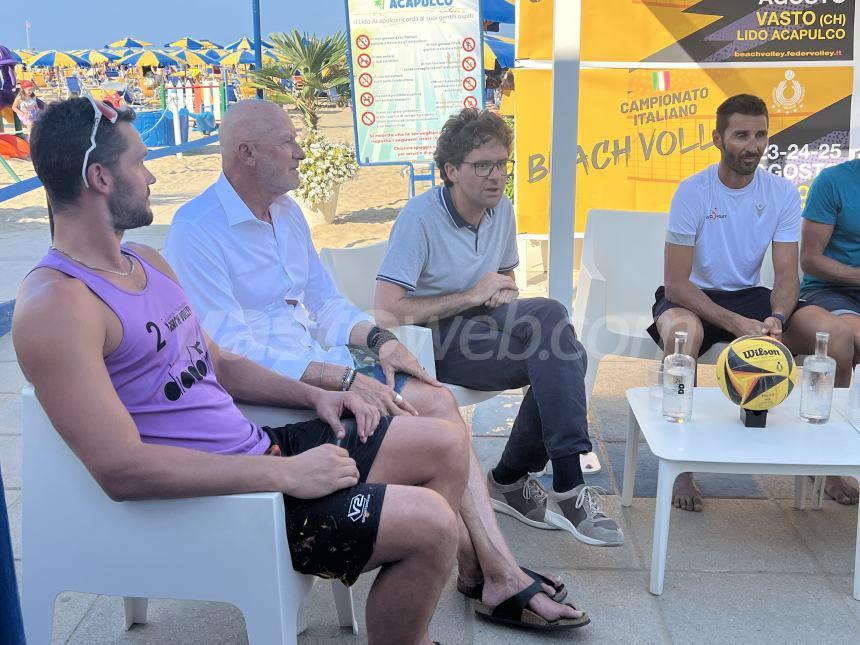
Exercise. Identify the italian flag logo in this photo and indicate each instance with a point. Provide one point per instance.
(660, 81)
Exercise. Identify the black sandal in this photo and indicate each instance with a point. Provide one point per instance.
(514, 611)
(474, 592)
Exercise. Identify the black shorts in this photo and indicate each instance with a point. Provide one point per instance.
(333, 536)
(750, 303)
(837, 300)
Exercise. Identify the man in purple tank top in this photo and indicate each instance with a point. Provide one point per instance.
(128, 378)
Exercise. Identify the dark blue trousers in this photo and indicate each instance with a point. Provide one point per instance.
(529, 342)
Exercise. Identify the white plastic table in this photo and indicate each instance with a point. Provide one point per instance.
(715, 441)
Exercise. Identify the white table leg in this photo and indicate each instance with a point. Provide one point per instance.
(818, 492)
(631, 454)
(666, 475)
(801, 490)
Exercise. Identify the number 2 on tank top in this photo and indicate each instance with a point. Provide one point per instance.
(159, 343)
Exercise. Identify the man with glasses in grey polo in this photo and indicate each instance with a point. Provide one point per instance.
(449, 266)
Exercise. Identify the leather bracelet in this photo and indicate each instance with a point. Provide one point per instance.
(377, 338)
(779, 317)
(351, 379)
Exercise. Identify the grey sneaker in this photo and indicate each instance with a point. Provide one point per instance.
(525, 500)
(577, 512)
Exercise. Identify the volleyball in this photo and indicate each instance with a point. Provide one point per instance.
(756, 372)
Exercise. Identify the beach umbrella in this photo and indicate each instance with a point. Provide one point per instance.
(211, 44)
(246, 43)
(94, 56)
(122, 53)
(245, 57)
(8, 56)
(151, 58)
(128, 41)
(213, 53)
(53, 58)
(187, 43)
(196, 58)
(498, 11)
(498, 48)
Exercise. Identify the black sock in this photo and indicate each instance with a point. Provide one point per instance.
(566, 473)
(504, 475)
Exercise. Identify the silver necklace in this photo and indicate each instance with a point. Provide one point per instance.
(79, 261)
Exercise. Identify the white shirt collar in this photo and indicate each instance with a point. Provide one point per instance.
(235, 209)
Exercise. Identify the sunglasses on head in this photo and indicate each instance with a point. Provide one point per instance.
(101, 110)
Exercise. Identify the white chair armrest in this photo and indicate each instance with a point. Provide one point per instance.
(419, 341)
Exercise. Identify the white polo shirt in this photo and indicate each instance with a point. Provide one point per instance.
(259, 289)
(731, 228)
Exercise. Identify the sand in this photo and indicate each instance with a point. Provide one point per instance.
(366, 207)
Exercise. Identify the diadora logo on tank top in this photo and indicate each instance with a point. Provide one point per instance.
(715, 214)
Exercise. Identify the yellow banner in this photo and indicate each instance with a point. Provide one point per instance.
(695, 30)
(643, 131)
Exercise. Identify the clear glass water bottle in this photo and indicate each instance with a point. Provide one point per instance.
(816, 390)
(679, 372)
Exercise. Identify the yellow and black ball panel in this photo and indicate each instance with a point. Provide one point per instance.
(756, 372)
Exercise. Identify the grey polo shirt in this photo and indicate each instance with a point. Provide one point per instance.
(433, 251)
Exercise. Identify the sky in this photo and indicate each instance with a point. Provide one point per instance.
(67, 24)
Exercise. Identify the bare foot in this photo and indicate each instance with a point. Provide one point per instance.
(686, 495)
(499, 589)
(839, 490)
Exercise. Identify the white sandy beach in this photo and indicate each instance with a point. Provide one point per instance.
(366, 207)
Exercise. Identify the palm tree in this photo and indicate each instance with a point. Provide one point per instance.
(321, 62)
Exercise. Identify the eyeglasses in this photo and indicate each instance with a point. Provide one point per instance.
(101, 109)
(485, 168)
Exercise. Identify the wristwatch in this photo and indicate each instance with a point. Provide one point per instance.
(377, 337)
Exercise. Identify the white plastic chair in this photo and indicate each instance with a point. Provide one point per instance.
(229, 549)
(622, 266)
(354, 273)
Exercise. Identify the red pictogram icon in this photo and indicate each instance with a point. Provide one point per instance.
(366, 99)
(470, 102)
(364, 60)
(368, 118)
(469, 63)
(469, 44)
(365, 80)
(362, 42)
(469, 83)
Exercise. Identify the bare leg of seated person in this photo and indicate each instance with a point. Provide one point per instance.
(485, 556)
(417, 540)
(844, 340)
(685, 494)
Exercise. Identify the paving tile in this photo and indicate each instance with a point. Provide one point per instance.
(829, 533)
(618, 602)
(843, 586)
(755, 608)
(69, 609)
(10, 460)
(169, 621)
(777, 486)
(495, 417)
(10, 413)
(712, 485)
(730, 535)
(11, 378)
